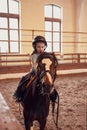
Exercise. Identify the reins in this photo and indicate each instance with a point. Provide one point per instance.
(57, 113)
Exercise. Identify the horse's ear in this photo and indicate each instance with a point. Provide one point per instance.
(50, 56)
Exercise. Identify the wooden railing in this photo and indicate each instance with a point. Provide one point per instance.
(21, 63)
(72, 58)
(24, 59)
(73, 41)
(15, 59)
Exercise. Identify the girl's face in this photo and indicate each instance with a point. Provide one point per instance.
(40, 47)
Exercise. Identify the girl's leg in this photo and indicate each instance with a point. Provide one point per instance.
(19, 92)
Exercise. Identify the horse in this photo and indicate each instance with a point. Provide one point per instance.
(36, 100)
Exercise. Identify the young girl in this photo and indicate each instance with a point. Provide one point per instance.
(39, 44)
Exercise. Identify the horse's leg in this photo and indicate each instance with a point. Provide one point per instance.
(42, 124)
(26, 121)
(26, 124)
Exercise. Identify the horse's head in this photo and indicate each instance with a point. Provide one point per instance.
(47, 66)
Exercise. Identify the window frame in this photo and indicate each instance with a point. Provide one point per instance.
(52, 20)
(8, 16)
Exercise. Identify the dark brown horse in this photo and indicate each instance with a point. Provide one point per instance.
(37, 97)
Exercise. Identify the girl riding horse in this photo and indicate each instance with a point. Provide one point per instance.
(39, 44)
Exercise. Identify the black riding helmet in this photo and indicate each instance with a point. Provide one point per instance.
(39, 39)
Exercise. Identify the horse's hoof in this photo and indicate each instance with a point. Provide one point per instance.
(36, 125)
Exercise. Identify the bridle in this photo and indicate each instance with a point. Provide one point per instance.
(42, 72)
(53, 66)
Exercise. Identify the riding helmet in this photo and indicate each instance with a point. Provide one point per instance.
(39, 39)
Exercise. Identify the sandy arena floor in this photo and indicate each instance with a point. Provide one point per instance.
(73, 101)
